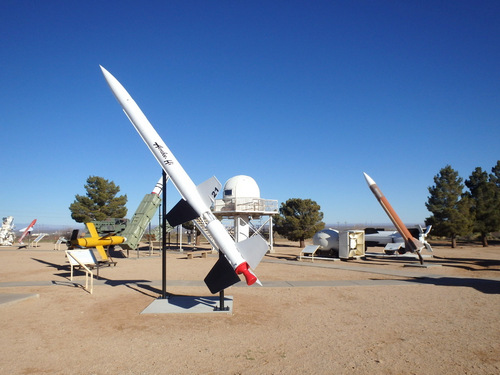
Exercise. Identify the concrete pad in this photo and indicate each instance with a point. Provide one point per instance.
(7, 299)
(404, 256)
(189, 305)
(418, 265)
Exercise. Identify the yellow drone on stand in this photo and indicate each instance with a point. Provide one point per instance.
(95, 241)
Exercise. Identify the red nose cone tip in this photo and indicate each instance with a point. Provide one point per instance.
(243, 268)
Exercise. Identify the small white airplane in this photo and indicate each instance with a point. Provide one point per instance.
(392, 240)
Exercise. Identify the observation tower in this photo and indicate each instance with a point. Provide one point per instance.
(242, 204)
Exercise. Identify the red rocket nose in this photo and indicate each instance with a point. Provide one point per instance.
(243, 268)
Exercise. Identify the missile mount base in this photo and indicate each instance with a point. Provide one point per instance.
(176, 304)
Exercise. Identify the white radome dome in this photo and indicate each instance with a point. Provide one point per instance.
(241, 187)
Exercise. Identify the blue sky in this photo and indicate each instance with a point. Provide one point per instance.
(302, 96)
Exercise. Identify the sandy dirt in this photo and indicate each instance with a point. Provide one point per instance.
(443, 320)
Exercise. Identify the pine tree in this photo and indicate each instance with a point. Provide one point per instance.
(495, 176)
(100, 203)
(484, 196)
(299, 219)
(450, 209)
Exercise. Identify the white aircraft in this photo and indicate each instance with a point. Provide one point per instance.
(392, 240)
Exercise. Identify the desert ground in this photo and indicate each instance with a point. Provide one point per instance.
(364, 316)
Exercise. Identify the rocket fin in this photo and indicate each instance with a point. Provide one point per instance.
(102, 252)
(181, 213)
(74, 235)
(209, 190)
(413, 245)
(92, 231)
(221, 276)
(253, 250)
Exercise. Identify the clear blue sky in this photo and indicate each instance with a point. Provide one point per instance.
(303, 96)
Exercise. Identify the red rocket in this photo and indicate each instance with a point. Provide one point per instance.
(411, 244)
(29, 228)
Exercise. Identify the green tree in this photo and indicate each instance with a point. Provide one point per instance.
(450, 209)
(495, 176)
(484, 196)
(299, 219)
(100, 203)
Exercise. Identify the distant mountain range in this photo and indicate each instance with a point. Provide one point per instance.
(49, 228)
(55, 229)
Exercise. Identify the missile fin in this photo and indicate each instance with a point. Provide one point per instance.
(209, 190)
(181, 213)
(92, 231)
(221, 276)
(253, 250)
(102, 252)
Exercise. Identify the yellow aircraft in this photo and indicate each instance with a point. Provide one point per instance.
(96, 241)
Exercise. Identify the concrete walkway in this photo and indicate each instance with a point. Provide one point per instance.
(408, 277)
(8, 298)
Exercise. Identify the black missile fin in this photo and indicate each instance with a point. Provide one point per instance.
(221, 276)
(181, 213)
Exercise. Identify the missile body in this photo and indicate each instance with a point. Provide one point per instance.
(411, 244)
(28, 229)
(196, 200)
(143, 215)
(158, 187)
(99, 241)
(95, 240)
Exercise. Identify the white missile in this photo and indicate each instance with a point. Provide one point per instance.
(195, 202)
(158, 187)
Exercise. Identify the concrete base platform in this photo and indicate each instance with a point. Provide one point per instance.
(7, 299)
(313, 258)
(405, 256)
(418, 265)
(189, 305)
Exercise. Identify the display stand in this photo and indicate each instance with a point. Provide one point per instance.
(164, 237)
(221, 306)
(168, 303)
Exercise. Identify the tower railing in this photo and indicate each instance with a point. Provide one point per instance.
(243, 204)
